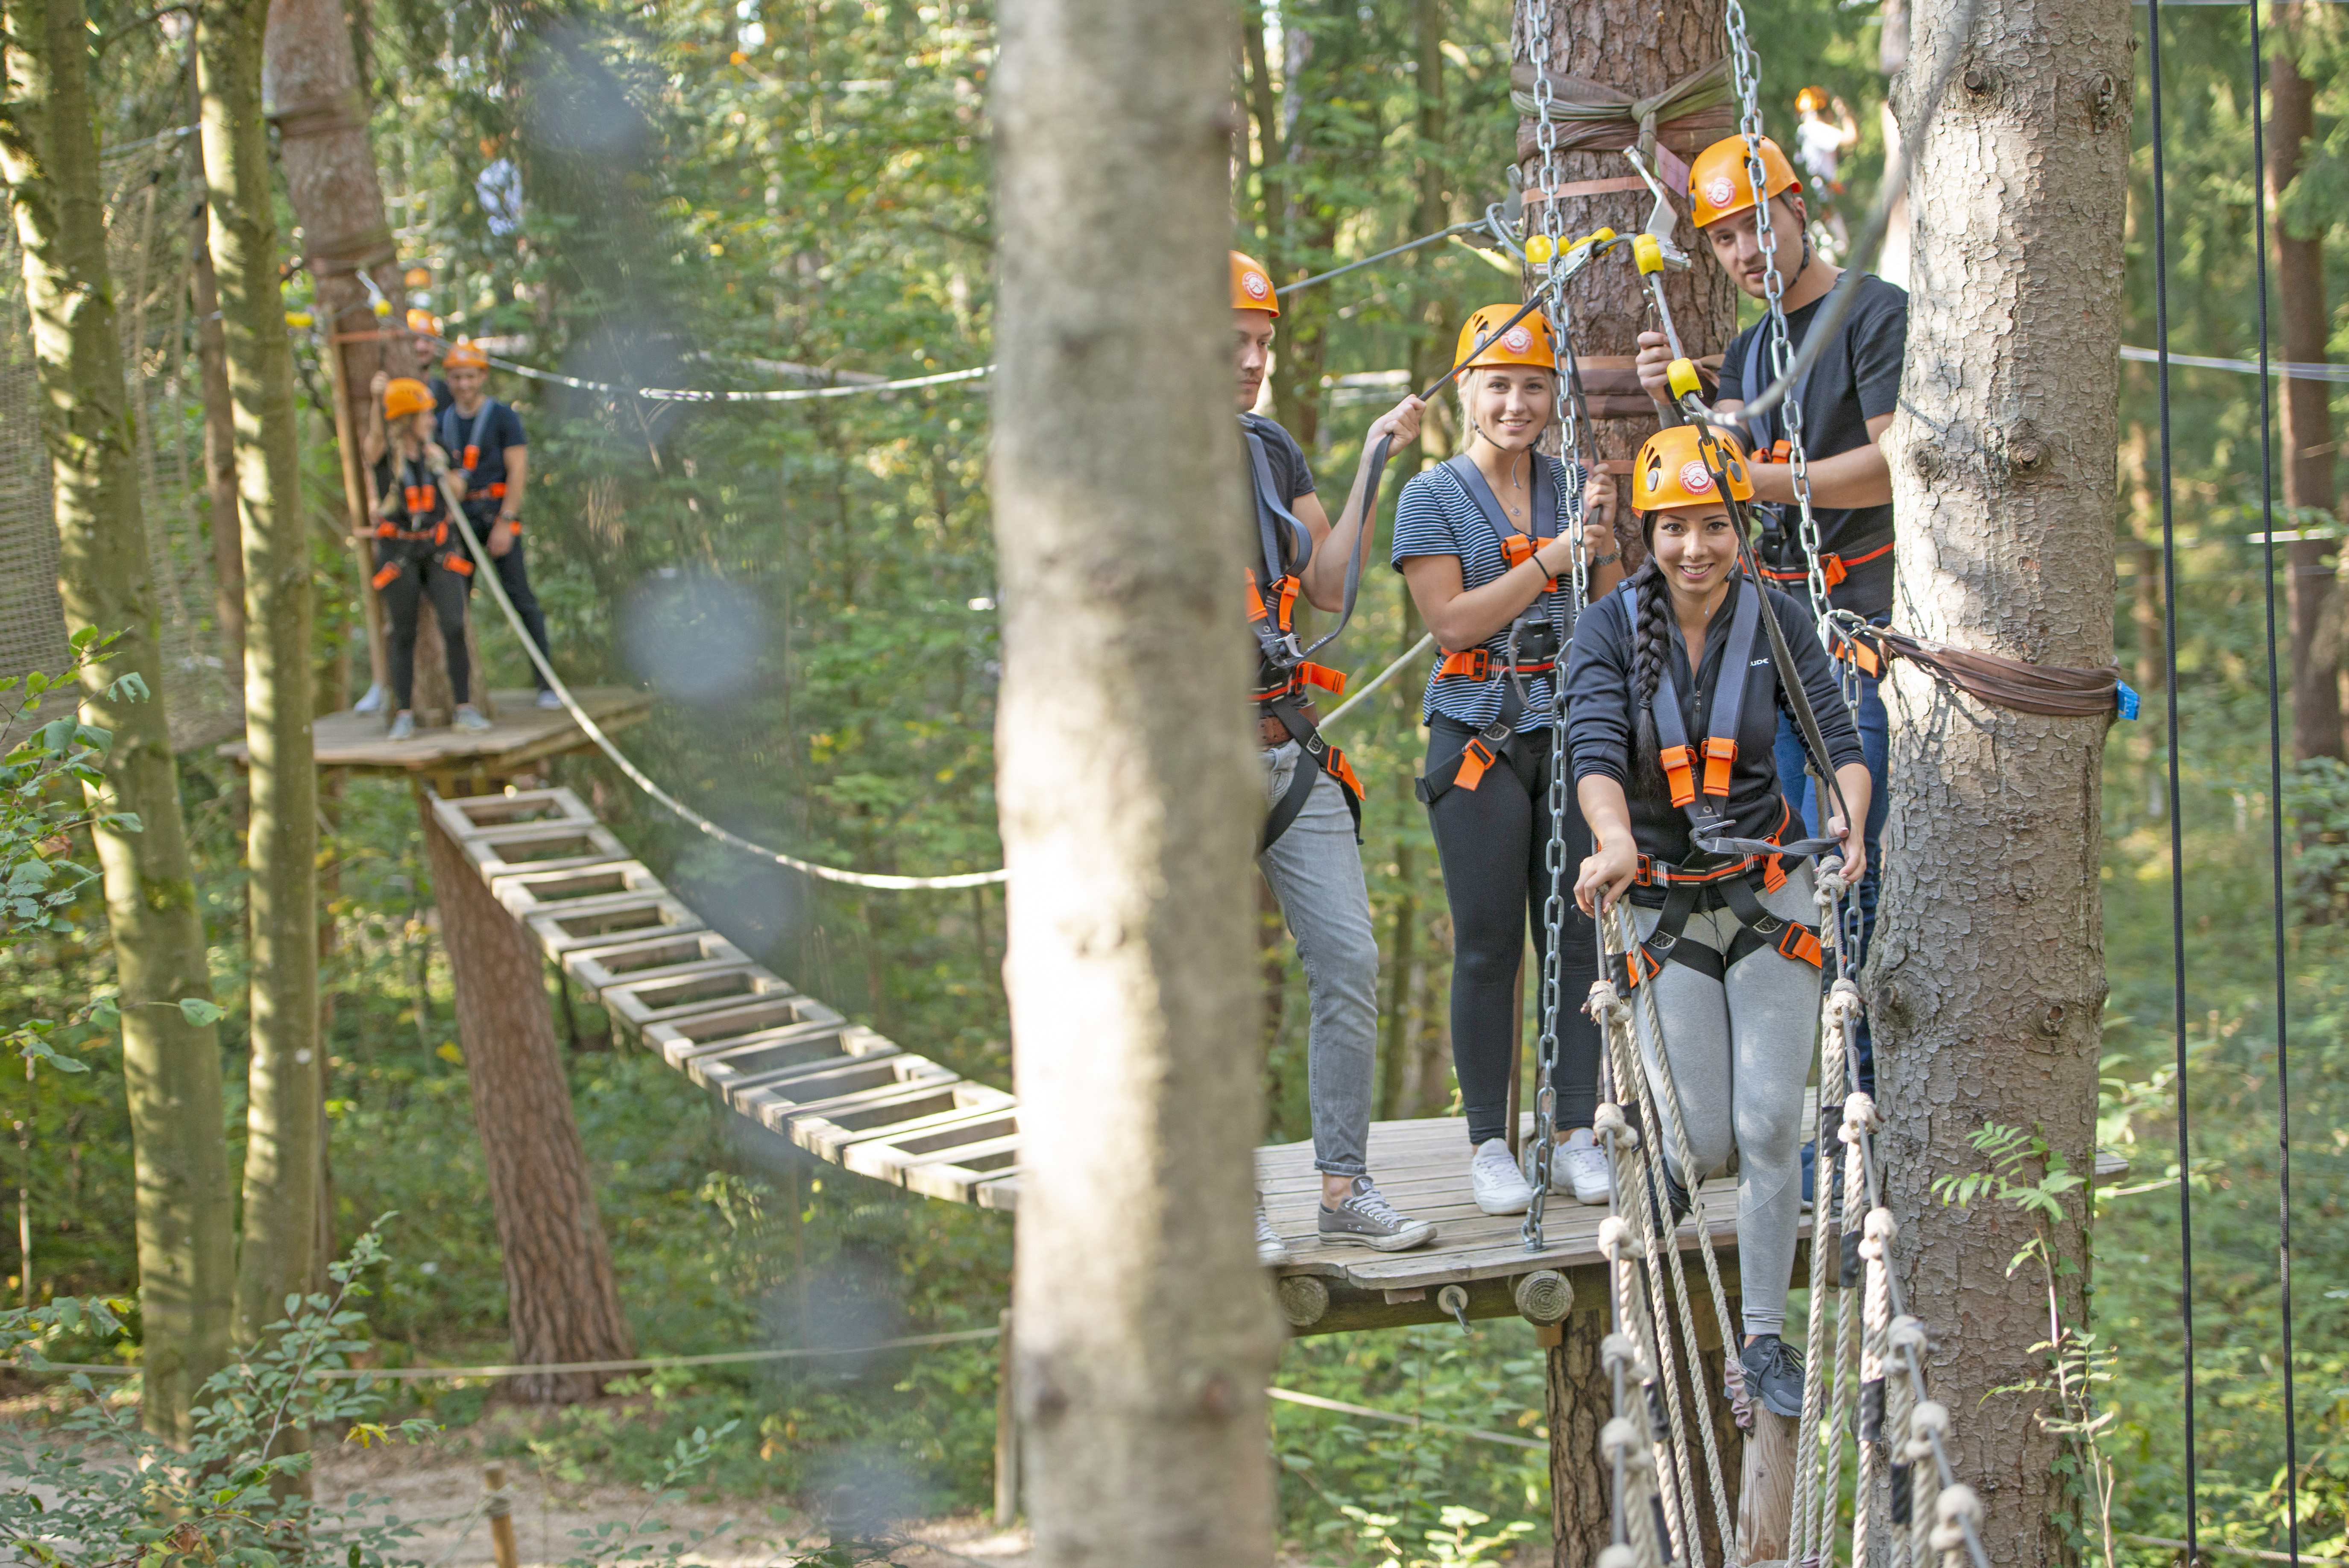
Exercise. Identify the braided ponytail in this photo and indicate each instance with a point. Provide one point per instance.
(1649, 638)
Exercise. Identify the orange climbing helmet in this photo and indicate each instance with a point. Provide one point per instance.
(1672, 472)
(405, 396)
(1720, 185)
(1529, 342)
(1252, 287)
(1811, 100)
(422, 322)
(464, 353)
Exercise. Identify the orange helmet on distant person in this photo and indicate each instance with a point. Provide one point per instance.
(1529, 342)
(1811, 100)
(1671, 472)
(405, 396)
(1252, 287)
(1720, 184)
(464, 353)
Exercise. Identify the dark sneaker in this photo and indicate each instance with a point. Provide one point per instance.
(1773, 1374)
(1363, 1217)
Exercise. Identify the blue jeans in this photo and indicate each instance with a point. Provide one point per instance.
(1875, 740)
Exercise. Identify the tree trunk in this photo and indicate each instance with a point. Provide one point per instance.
(1146, 1335)
(1987, 982)
(1580, 1399)
(220, 436)
(48, 147)
(2307, 411)
(1639, 48)
(282, 1169)
(312, 92)
(561, 1303)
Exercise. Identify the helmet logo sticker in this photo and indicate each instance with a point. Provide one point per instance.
(1517, 340)
(1719, 191)
(1253, 283)
(1695, 478)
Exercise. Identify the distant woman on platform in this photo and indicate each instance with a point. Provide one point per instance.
(1481, 540)
(1674, 695)
(418, 554)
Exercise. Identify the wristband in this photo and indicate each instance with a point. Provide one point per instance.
(1607, 560)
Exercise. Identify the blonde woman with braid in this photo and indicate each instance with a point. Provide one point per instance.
(1674, 696)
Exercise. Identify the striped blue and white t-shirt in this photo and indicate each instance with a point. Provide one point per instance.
(1436, 517)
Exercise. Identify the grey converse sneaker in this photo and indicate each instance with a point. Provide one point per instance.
(1271, 1249)
(1773, 1374)
(469, 718)
(403, 728)
(1363, 1217)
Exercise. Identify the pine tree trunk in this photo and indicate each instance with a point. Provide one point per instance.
(562, 1304)
(48, 146)
(282, 1172)
(1639, 48)
(2307, 430)
(312, 92)
(1130, 792)
(1987, 982)
(1579, 1400)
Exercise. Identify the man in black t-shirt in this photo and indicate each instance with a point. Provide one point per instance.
(1310, 854)
(1847, 401)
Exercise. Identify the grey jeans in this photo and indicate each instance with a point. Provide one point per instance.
(1315, 872)
(1741, 1053)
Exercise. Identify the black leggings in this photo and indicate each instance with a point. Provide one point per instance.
(402, 596)
(1493, 841)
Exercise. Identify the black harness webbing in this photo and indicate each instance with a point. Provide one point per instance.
(1282, 656)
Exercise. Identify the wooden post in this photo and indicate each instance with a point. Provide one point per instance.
(1007, 1428)
(561, 1303)
(1578, 1398)
(499, 1511)
(359, 501)
(1766, 1500)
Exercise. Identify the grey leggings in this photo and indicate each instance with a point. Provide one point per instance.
(1740, 1051)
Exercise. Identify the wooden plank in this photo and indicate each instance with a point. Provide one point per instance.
(895, 1117)
(522, 733)
(541, 847)
(466, 817)
(600, 922)
(528, 893)
(832, 1081)
(647, 958)
(641, 1000)
(954, 1175)
(1002, 1192)
(721, 1031)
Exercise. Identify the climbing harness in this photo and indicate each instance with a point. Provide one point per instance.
(425, 538)
(468, 456)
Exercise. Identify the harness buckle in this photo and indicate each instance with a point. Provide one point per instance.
(1797, 942)
(1475, 758)
(1720, 755)
(1677, 772)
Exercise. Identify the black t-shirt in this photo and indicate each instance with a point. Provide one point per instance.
(415, 491)
(1856, 381)
(478, 445)
(1292, 476)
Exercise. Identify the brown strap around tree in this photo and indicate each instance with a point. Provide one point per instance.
(1693, 111)
(2062, 691)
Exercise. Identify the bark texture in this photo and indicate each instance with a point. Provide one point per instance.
(312, 92)
(283, 1170)
(1579, 1400)
(1987, 981)
(1640, 47)
(561, 1303)
(2307, 426)
(1130, 792)
(49, 148)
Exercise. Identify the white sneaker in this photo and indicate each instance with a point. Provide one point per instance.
(403, 728)
(1580, 1166)
(1271, 1249)
(549, 700)
(370, 703)
(469, 718)
(1499, 1186)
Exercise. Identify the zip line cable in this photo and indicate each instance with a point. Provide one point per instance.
(2275, 810)
(2177, 829)
(2288, 369)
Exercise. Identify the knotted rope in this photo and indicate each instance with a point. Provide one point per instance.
(1592, 115)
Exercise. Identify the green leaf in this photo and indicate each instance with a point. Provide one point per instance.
(198, 1012)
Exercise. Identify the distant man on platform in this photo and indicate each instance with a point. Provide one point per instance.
(1847, 401)
(485, 438)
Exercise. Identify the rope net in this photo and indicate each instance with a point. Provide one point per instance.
(151, 191)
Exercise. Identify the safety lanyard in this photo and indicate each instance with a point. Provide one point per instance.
(1273, 516)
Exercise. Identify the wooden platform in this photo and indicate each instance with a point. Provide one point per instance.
(522, 734)
(783, 1059)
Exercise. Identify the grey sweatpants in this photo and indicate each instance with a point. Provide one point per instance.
(1315, 872)
(1741, 1053)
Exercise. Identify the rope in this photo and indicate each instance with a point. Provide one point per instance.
(2177, 829)
(1290, 1396)
(2276, 811)
(1596, 116)
(1380, 679)
(2290, 370)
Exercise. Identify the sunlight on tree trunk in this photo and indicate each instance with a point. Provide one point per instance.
(48, 145)
(1129, 790)
(1987, 979)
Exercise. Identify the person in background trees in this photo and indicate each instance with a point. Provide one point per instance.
(416, 554)
(484, 437)
(1662, 675)
(1310, 851)
(1821, 146)
(1846, 401)
(1480, 541)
